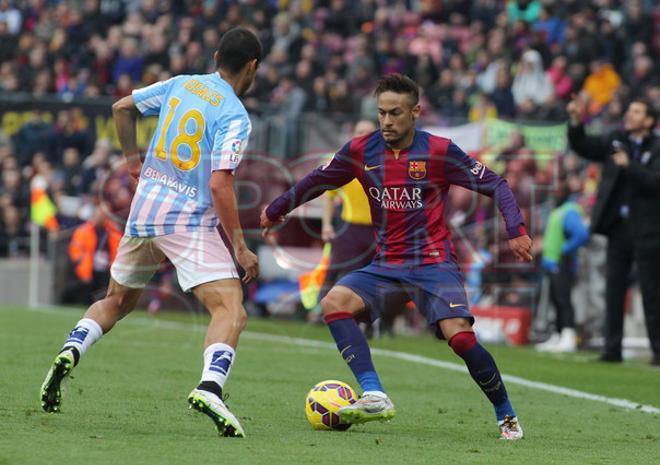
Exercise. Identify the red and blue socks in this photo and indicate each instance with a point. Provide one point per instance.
(354, 349)
(483, 370)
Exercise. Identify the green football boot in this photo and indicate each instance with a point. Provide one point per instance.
(51, 389)
(213, 407)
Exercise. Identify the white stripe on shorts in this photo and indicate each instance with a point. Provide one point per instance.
(165, 207)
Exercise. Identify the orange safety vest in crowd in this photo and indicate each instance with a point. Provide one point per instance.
(83, 247)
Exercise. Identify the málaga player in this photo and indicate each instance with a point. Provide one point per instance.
(185, 186)
(406, 175)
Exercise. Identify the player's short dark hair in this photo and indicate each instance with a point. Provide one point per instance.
(238, 47)
(650, 109)
(399, 84)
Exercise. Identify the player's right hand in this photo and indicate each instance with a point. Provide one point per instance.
(266, 223)
(249, 262)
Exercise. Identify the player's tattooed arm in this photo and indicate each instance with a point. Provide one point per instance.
(125, 114)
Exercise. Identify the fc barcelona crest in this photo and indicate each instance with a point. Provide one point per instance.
(417, 170)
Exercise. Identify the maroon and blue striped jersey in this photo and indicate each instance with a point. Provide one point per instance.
(407, 192)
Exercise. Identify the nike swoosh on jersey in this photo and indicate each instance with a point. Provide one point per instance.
(369, 168)
(451, 305)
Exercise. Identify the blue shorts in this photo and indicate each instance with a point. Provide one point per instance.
(436, 288)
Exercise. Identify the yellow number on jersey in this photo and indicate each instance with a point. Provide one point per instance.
(182, 138)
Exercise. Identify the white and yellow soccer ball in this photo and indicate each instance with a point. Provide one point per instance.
(323, 402)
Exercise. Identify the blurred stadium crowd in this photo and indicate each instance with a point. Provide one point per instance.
(506, 58)
(474, 59)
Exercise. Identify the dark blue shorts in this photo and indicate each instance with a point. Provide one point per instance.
(437, 289)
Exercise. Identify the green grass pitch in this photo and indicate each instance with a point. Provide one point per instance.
(127, 401)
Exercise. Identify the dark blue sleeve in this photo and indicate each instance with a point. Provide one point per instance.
(576, 232)
(338, 172)
(462, 170)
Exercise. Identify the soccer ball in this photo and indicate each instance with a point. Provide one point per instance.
(323, 402)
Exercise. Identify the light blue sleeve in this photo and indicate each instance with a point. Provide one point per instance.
(575, 230)
(230, 142)
(148, 100)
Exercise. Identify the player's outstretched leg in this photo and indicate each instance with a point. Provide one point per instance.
(223, 299)
(484, 371)
(98, 319)
(338, 308)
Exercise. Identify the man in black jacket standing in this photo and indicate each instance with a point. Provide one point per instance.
(627, 211)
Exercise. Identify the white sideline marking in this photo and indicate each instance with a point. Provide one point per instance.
(623, 403)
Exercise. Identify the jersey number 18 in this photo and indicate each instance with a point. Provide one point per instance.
(182, 138)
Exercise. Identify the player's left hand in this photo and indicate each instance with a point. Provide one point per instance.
(521, 247)
(621, 159)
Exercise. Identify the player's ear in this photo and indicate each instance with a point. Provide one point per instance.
(416, 110)
(215, 58)
(252, 65)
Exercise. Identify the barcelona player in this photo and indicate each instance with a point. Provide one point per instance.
(185, 188)
(406, 174)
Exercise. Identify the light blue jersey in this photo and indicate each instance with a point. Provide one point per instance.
(202, 127)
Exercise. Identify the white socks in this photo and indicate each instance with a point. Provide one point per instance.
(218, 359)
(86, 333)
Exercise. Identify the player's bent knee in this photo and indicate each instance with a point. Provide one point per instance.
(331, 303)
(453, 326)
(122, 298)
(124, 304)
(341, 300)
(233, 316)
